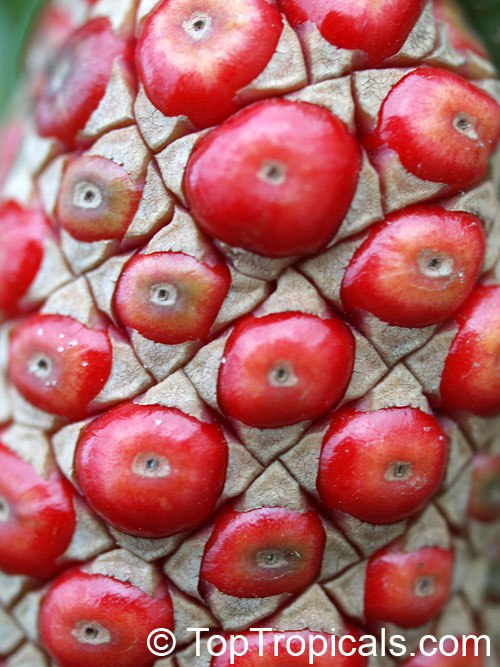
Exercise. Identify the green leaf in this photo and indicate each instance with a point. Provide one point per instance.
(484, 15)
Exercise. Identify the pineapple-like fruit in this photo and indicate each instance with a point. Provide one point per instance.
(250, 339)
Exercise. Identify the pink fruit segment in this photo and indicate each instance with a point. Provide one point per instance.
(152, 471)
(79, 79)
(377, 29)
(416, 268)
(171, 297)
(470, 379)
(194, 57)
(381, 466)
(263, 552)
(96, 621)
(257, 183)
(442, 127)
(22, 235)
(98, 199)
(408, 589)
(36, 517)
(273, 375)
(58, 364)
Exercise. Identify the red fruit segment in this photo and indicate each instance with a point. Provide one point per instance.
(286, 649)
(263, 552)
(95, 621)
(407, 589)
(471, 377)
(58, 364)
(171, 297)
(416, 268)
(378, 29)
(382, 466)
(460, 34)
(98, 199)
(193, 57)
(78, 80)
(442, 127)
(152, 471)
(273, 370)
(257, 183)
(37, 518)
(465, 657)
(484, 499)
(22, 235)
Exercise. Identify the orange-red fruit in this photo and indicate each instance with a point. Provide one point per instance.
(416, 268)
(152, 471)
(78, 80)
(263, 552)
(171, 297)
(463, 647)
(194, 58)
(442, 127)
(273, 370)
(257, 183)
(91, 620)
(293, 649)
(22, 235)
(58, 364)
(382, 466)
(407, 589)
(471, 378)
(461, 37)
(98, 199)
(37, 518)
(484, 499)
(377, 29)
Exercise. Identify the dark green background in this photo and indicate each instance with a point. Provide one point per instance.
(17, 15)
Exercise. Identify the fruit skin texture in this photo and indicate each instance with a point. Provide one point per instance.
(466, 117)
(416, 268)
(377, 30)
(22, 235)
(470, 379)
(249, 302)
(440, 660)
(168, 469)
(171, 298)
(381, 466)
(123, 611)
(263, 552)
(193, 58)
(244, 181)
(272, 363)
(79, 80)
(59, 364)
(408, 589)
(40, 518)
